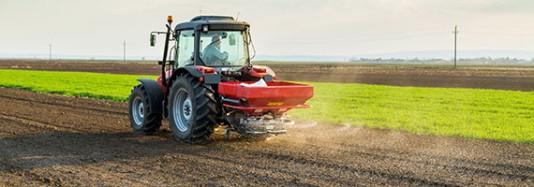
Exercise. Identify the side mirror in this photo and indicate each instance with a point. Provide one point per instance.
(152, 40)
(231, 39)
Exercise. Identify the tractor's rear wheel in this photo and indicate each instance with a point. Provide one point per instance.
(192, 110)
(142, 119)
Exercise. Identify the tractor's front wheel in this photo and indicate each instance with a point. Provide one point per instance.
(143, 119)
(192, 110)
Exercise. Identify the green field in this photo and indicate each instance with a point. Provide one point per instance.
(96, 85)
(474, 113)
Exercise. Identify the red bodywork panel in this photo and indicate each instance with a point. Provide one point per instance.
(277, 97)
(203, 69)
(161, 84)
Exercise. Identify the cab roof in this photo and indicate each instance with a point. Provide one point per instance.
(213, 23)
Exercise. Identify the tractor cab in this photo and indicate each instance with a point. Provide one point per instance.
(212, 41)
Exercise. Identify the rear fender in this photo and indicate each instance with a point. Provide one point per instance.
(192, 70)
(155, 94)
(198, 72)
(268, 72)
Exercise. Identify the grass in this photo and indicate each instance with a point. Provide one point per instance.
(95, 85)
(474, 113)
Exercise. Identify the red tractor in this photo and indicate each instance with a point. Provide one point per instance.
(208, 81)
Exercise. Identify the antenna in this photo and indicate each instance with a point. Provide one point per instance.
(237, 17)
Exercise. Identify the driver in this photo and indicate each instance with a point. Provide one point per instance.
(212, 52)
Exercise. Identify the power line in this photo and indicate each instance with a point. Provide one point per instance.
(498, 33)
(357, 40)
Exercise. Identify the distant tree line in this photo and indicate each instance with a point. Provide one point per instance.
(461, 61)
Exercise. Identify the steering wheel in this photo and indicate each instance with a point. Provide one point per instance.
(225, 60)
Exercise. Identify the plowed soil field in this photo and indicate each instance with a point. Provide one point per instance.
(57, 140)
(54, 140)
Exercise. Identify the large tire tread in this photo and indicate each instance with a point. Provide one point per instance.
(152, 121)
(205, 112)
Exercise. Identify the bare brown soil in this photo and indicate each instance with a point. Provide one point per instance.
(506, 78)
(54, 140)
(84, 66)
(66, 141)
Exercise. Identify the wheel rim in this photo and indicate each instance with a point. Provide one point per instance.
(138, 111)
(182, 110)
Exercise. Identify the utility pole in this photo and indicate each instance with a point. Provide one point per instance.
(124, 51)
(455, 33)
(49, 52)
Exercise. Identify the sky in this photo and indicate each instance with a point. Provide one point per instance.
(278, 27)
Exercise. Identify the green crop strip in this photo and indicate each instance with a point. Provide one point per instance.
(474, 113)
(95, 85)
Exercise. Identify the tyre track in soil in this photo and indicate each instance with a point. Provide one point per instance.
(56, 140)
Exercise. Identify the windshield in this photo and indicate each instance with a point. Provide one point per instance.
(223, 48)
